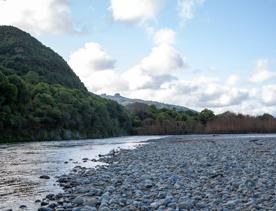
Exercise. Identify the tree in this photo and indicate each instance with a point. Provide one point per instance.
(206, 115)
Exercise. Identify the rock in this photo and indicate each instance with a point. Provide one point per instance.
(231, 204)
(52, 205)
(45, 209)
(78, 201)
(87, 208)
(148, 184)
(92, 202)
(50, 196)
(44, 177)
(187, 204)
(44, 203)
(104, 208)
(22, 206)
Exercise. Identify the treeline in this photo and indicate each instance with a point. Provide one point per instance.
(237, 123)
(34, 110)
(150, 120)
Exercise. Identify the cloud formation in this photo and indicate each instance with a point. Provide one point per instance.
(268, 95)
(95, 67)
(261, 72)
(160, 66)
(43, 16)
(164, 36)
(134, 10)
(155, 77)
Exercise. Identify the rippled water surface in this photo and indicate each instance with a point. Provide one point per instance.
(22, 164)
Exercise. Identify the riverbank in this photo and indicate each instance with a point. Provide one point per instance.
(175, 175)
(22, 165)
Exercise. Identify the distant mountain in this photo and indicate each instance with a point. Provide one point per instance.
(21, 53)
(126, 101)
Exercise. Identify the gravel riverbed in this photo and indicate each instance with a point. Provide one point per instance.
(173, 174)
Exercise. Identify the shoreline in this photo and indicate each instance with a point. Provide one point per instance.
(175, 175)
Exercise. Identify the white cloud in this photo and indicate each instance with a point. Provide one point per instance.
(95, 68)
(268, 95)
(261, 73)
(204, 92)
(164, 36)
(134, 10)
(154, 78)
(160, 66)
(90, 58)
(233, 80)
(136, 78)
(163, 59)
(37, 16)
(186, 8)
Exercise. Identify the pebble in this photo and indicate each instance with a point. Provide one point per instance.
(172, 174)
(44, 177)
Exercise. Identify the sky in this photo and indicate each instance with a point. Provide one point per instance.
(215, 54)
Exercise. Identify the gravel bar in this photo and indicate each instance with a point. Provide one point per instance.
(173, 174)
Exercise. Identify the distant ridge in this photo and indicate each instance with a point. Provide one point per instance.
(126, 101)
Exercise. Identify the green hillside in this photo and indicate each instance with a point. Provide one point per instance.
(21, 53)
(42, 99)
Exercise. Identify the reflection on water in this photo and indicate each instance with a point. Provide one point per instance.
(22, 164)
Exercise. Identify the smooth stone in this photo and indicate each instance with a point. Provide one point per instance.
(88, 208)
(44, 177)
(92, 202)
(44, 203)
(23, 206)
(45, 209)
(186, 204)
(78, 200)
(104, 208)
(148, 183)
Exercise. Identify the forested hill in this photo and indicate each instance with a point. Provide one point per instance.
(42, 99)
(22, 53)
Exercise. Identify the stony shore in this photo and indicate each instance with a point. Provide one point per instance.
(175, 175)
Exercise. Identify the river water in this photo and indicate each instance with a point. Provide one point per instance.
(22, 164)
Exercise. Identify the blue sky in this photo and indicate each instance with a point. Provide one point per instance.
(196, 53)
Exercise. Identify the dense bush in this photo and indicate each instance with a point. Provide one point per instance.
(151, 120)
(31, 111)
(229, 122)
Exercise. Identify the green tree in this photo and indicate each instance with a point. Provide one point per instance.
(206, 115)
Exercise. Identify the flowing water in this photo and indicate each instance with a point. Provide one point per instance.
(22, 164)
